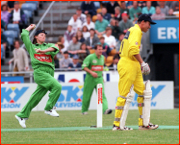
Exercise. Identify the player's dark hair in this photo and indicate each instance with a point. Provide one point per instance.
(96, 46)
(34, 41)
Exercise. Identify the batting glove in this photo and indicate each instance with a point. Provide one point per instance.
(145, 68)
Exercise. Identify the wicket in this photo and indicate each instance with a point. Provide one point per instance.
(99, 105)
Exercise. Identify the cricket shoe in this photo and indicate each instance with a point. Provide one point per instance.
(52, 112)
(84, 113)
(21, 121)
(108, 111)
(149, 127)
(118, 128)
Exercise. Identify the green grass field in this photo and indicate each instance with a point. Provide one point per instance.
(58, 130)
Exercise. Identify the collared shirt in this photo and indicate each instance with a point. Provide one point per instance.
(145, 10)
(16, 15)
(82, 18)
(38, 59)
(134, 12)
(37, 44)
(131, 43)
(125, 25)
(75, 24)
(110, 40)
(90, 25)
(94, 63)
(101, 26)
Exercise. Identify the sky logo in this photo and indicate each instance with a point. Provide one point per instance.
(155, 92)
(10, 96)
(70, 97)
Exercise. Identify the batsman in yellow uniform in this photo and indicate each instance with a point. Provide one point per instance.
(130, 69)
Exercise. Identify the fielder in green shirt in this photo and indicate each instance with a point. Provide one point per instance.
(93, 65)
(42, 60)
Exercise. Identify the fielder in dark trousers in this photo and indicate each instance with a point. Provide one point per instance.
(42, 60)
(93, 65)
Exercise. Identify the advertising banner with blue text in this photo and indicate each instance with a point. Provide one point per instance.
(165, 31)
(15, 96)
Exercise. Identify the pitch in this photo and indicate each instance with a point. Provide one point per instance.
(73, 128)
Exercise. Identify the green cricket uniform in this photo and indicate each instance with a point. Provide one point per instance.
(96, 65)
(43, 65)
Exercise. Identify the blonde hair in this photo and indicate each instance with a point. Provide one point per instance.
(60, 45)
